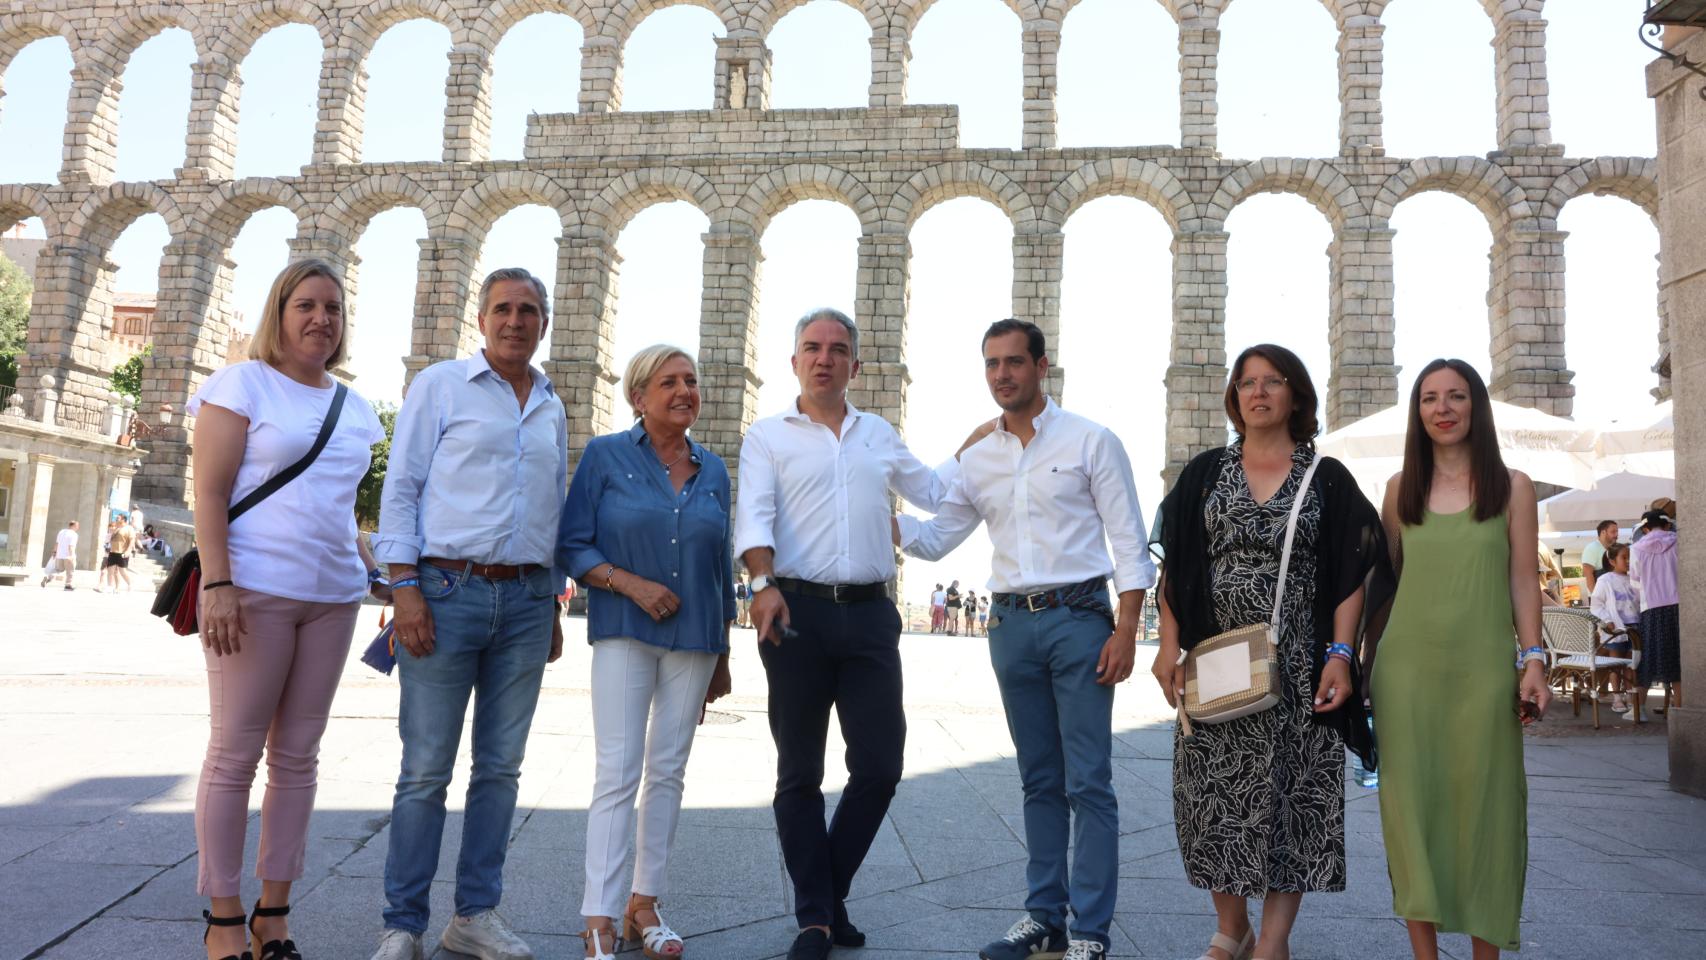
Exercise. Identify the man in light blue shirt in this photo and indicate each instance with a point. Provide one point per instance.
(468, 525)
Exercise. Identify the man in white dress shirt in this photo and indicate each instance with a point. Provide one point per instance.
(1055, 489)
(812, 526)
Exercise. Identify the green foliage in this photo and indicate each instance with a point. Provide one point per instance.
(127, 376)
(373, 484)
(15, 292)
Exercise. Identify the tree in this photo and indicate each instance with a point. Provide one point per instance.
(373, 483)
(15, 292)
(127, 376)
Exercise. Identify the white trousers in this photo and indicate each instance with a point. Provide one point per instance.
(631, 682)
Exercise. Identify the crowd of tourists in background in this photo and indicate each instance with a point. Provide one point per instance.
(1423, 610)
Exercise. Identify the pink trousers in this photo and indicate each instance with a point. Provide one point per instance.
(276, 694)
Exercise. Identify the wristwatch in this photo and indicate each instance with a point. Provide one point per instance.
(761, 583)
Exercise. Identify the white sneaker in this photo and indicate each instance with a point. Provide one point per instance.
(395, 944)
(1084, 950)
(487, 936)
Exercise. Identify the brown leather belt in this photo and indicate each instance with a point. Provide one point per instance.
(490, 571)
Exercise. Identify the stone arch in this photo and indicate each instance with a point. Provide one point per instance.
(765, 14)
(906, 14)
(120, 38)
(622, 17)
(1144, 180)
(19, 30)
(224, 212)
(238, 35)
(1319, 182)
(622, 198)
(1513, 9)
(963, 178)
(364, 30)
(482, 204)
(362, 200)
(108, 211)
(773, 192)
(497, 19)
(1635, 179)
(1483, 184)
(19, 203)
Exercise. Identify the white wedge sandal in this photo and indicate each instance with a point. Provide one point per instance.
(652, 939)
(1236, 949)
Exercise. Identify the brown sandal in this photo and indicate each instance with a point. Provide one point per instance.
(652, 939)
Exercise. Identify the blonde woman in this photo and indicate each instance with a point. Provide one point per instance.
(647, 529)
(280, 587)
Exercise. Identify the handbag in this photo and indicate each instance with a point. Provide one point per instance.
(177, 598)
(1236, 673)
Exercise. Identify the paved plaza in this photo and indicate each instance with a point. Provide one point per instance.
(103, 719)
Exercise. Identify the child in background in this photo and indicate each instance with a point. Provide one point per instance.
(1619, 612)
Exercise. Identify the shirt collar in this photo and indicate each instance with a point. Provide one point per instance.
(478, 364)
(1050, 411)
(794, 414)
(638, 436)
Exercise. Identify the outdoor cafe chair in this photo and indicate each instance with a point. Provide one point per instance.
(1572, 640)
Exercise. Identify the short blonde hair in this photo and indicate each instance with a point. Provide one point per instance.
(645, 365)
(268, 342)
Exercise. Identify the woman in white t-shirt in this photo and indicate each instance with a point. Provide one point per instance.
(280, 589)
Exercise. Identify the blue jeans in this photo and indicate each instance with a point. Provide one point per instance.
(1061, 721)
(491, 638)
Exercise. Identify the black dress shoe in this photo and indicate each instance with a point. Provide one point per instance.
(842, 931)
(811, 944)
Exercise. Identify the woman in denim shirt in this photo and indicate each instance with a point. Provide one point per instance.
(647, 529)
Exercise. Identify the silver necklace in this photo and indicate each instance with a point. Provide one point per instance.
(685, 446)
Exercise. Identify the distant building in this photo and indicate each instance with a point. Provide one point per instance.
(22, 251)
(133, 323)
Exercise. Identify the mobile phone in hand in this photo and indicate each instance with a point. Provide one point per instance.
(1528, 712)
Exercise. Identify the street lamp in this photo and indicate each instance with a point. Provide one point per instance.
(1679, 13)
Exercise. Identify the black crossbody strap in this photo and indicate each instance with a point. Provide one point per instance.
(293, 471)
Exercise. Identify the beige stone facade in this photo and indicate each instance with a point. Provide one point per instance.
(741, 164)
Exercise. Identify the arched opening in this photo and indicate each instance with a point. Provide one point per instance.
(1439, 96)
(663, 265)
(948, 397)
(259, 251)
(1611, 326)
(1597, 91)
(810, 260)
(404, 110)
(32, 118)
(820, 56)
(669, 62)
(154, 107)
(280, 102)
(19, 247)
(1278, 87)
(1439, 285)
(970, 53)
(525, 237)
(528, 71)
(1118, 75)
(381, 310)
(119, 315)
(1277, 278)
(1116, 330)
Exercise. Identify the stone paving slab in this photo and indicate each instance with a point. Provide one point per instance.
(103, 723)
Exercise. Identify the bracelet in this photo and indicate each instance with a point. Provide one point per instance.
(215, 585)
(609, 575)
(405, 582)
(1341, 650)
(374, 575)
(1532, 653)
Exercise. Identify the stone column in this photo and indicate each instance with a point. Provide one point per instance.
(191, 335)
(728, 334)
(601, 75)
(343, 107)
(1196, 379)
(445, 291)
(1199, 54)
(890, 54)
(1364, 375)
(468, 106)
(1526, 307)
(1037, 264)
(216, 88)
(1042, 54)
(1662, 367)
(94, 492)
(91, 124)
(742, 74)
(36, 489)
(582, 364)
(1360, 115)
(65, 339)
(881, 298)
(1519, 56)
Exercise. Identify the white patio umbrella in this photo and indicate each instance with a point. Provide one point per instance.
(1622, 497)
(1645, 445)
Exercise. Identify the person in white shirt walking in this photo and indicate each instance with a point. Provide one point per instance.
(1055, 489)
(64, 556)
(812, 526)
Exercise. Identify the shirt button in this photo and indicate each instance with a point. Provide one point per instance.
(671, 539)
(675, 574)
(630, 476)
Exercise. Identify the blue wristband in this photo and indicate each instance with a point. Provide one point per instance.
(374, 575)
(1341, 650)
(406, 582)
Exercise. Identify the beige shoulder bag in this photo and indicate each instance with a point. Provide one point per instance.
(1236, 673)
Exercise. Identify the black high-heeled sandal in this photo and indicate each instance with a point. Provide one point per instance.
(272, 949)
(213, 921)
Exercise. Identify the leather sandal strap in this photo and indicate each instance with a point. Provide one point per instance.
(1223, 942)
(214, 921)
(280, 950)
(261, 911)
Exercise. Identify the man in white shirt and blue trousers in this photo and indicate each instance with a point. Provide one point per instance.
(1055, 489)
(813, 528)
(468, 525)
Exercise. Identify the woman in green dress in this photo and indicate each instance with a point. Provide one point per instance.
(1448, 705)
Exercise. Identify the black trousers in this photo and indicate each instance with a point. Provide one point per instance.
(847, 655)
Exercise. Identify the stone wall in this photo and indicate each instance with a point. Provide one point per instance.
(741, 164)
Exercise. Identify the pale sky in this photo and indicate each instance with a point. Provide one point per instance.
(1117, 87)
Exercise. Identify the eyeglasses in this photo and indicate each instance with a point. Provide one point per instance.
(1269, 384)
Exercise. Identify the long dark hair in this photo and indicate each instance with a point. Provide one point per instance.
(1492, 481)
(1302, 424)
